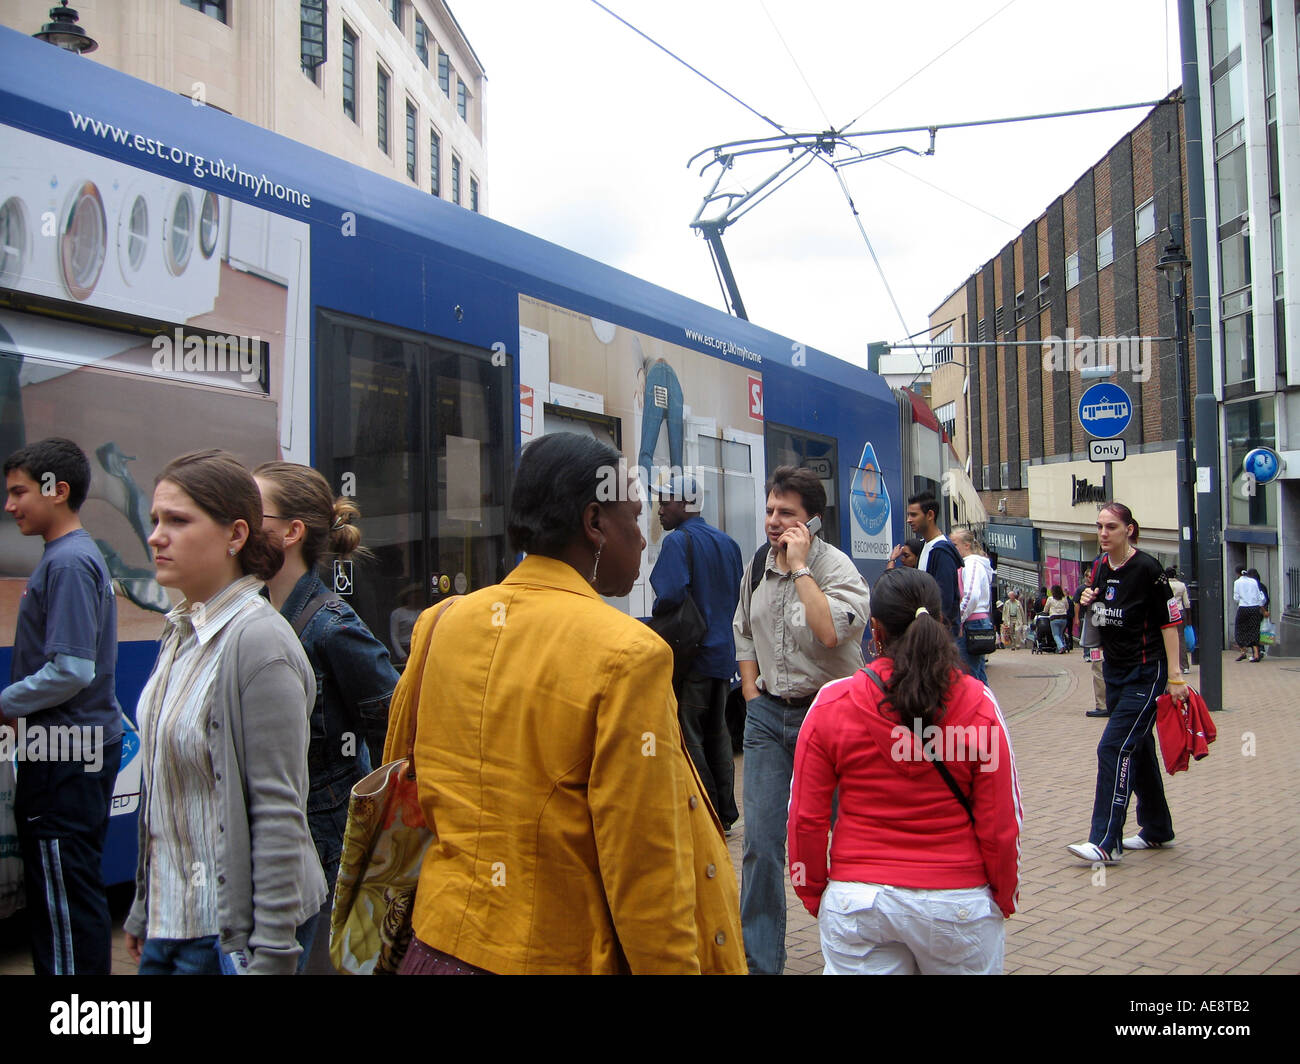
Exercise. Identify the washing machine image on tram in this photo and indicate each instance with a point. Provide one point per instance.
(75, 226)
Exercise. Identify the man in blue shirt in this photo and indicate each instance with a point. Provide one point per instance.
(712, 578)
(64, 657)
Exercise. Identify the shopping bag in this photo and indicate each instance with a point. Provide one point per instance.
(11, 858)
(1267, 634)
(1189, 634)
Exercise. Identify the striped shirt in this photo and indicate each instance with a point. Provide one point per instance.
(181, 807)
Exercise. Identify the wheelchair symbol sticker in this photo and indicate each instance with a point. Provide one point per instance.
(342, 577)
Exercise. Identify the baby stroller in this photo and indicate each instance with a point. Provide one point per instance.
(1040, 635)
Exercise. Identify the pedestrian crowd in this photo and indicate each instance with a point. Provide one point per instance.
(579, 770)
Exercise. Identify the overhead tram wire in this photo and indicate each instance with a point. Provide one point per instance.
(807, 84)
(857, 217)
(921, 70)
(693, 70)
(953, 195)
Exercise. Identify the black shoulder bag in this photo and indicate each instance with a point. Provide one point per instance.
(682, 626)
(939, 765)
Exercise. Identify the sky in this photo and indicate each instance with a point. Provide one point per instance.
(589, 129)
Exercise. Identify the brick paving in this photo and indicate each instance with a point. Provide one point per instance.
(1226, 900)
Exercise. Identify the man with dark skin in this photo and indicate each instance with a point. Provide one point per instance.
(704, 562)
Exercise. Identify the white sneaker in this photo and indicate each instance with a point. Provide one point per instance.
(1137, 842)
(1091, 853)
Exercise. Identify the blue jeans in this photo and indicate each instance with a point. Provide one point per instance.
(975, 662)
(180, 956)
(1126, 758)
(771, 732)
(661, 375)
(1058, 630)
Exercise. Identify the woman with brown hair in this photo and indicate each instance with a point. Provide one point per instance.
(226, 872)
(1137, 620)
(354, 678)
(924, 859)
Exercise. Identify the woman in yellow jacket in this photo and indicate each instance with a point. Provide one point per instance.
(573, 834)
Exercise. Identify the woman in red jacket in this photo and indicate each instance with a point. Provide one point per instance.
(924, 861)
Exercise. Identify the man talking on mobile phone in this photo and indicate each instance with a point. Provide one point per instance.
(799, 622)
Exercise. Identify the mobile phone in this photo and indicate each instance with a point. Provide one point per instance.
(814, 526)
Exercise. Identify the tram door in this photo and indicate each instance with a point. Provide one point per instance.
(416, 429)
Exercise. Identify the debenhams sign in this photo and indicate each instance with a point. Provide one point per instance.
(1012, 541)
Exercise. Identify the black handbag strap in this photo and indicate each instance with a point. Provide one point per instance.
(939, 765)
(690, 562)
(309, 611)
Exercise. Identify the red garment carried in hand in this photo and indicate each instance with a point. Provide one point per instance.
(1185, 730)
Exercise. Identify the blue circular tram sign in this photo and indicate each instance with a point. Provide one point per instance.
(1105, 410)
(1263, 463)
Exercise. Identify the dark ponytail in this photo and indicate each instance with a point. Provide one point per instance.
(906, 604)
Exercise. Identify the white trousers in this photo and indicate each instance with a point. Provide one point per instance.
(872, 929)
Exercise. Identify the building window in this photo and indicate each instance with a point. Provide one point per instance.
(1234, 261)
(435, 162)
(1105, 248)
(444, 73)
(1238, 349)
(942, 351)
(455, 180)
(349, 73)
(1225, 30)
(462, 99)
(311, 20)
(410, 140)
(981, 334)
(381, 108)
(947, 415)
(999, 324)
(1247, 425)
(1144, 222)
(1230, 185)
(1020, 305)
(1071, 271)
(1044, 291)
(212, 8)
(422, 41)
(473, 194)
(395, 10)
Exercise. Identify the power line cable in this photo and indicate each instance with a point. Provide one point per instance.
(797, 67)
(952, 195)
(693, 70)
(857, 217)
(931, 63)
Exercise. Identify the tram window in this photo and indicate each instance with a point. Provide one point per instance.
(786, 446)
(417, 429)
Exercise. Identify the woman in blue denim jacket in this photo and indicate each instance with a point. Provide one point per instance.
(354, 678)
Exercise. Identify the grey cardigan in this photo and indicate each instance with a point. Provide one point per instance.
(268, 876)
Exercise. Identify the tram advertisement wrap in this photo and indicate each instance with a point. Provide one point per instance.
(869, 503)
(666, 407)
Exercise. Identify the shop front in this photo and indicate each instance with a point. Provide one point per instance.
(1016, 549)
(1064, 498)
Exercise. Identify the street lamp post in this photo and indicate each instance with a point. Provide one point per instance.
(1173, 264)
